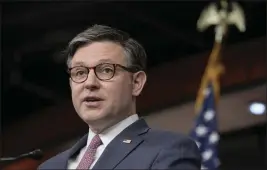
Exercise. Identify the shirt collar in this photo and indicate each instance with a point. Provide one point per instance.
(108, 135)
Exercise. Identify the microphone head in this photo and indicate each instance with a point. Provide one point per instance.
(36, 154)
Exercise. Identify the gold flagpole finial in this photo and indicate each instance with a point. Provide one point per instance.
(221, 18)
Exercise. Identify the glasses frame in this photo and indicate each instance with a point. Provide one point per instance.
(132, 69)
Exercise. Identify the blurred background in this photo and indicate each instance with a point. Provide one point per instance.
(36, 108)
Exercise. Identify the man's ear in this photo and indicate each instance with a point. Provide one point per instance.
(70, 83)
(139, 80)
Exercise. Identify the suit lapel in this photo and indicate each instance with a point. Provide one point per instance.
(74, 150)
(77, 146)
(61, 160)
(122, 145)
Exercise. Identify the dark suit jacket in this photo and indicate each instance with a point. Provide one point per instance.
(148, 149)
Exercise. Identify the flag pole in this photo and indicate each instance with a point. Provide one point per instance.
(205, 131)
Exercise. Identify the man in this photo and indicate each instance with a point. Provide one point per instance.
(107, 73)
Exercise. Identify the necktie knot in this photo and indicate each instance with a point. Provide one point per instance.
(95, 143)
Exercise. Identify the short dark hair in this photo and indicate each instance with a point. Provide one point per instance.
(134, 51)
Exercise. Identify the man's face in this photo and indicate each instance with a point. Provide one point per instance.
(98, 101)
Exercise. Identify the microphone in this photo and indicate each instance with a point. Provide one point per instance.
(36, 155)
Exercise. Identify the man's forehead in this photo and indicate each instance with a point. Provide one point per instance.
(101, 47)
(99, 52)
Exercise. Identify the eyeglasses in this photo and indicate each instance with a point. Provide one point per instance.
(103, 71)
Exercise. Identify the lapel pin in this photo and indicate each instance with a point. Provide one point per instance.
(127, 141)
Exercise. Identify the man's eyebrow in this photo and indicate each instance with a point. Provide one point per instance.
(105, 60)
(81, 63)
(78, 63)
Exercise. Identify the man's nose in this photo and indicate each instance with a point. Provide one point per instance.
(92, 81)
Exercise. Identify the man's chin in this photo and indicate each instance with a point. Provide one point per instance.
(91, 116)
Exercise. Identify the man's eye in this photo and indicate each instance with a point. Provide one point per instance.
(107, 70)
(79, 73)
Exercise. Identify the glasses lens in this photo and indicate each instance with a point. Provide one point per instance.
(79, 74)
(105, 71)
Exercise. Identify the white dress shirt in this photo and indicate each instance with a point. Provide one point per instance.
(106, 137)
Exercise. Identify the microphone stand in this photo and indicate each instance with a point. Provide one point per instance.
(36, 155)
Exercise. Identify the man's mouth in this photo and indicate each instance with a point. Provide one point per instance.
(92, 101)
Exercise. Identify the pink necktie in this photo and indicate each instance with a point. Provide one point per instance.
(89, 155)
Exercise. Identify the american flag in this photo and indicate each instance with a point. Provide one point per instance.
(205, 130)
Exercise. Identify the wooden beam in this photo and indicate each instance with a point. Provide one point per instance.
(167, 84)
(175, 81)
